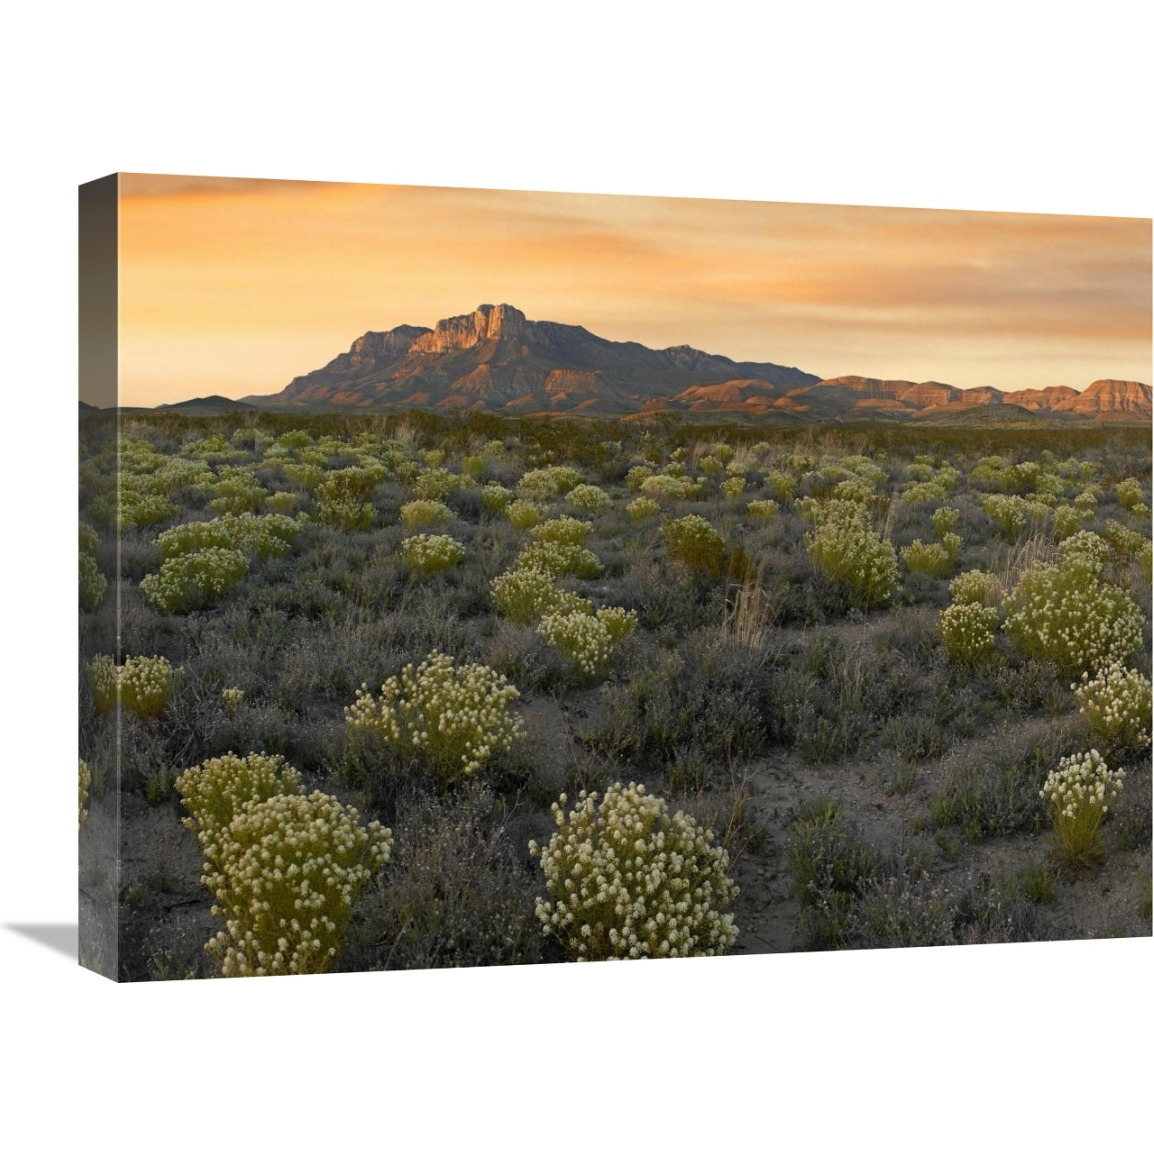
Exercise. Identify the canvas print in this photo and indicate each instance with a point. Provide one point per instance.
(474, 578)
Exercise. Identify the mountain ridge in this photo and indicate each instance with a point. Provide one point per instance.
(495, 359)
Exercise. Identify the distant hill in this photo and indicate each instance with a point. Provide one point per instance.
(496, 360)
(213, 406)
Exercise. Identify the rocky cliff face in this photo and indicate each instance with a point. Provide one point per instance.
(495, 359)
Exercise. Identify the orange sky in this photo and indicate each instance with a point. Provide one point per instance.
(236, 286)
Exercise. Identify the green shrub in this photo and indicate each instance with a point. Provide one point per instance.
(557, 559)
(642, 508)
(92, 585)
(1116, 704)
(428, 553)
(145, 685)
(588, 497)
(975, 588)
(694, 542)
(854, 558)
(933, 560)
(454, 718)
(495, 498)
(193, 579)
(525, 514)
(1080, 792)
(550, 482)
(417, 514)
(1128, 492)
(89, 539)
(84, 781)
(628, 880)
(734, 487)
(216, 791)
(967, 631)
(261, 536)
(944, 520)
(584, 640)
(762, 509)
(562, 531)
(525, 595)
(285, 873)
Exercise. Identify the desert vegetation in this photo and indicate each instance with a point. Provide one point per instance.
(414, 690)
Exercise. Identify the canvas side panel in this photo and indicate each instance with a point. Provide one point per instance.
(99, 776)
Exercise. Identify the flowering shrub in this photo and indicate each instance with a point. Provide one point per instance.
(525, 595)
(92, 583)
(1065, 614)
(1087, 549)
(636, 476)
(936, 559)
(1116, 705)
(454, 717)
(89, 539)
(1126, 543)
(267, 536)
(237, 492)
(1081, 791)
(588, 497)
(416, 514)
(216, 791)
(554, 481)
(783, 485)
(855, 558)
(944, 520)
(734, 487)
(628, 880)
(621, 623)
(1011, 513)
(104, 680)
(762, 509)
(344, 497)
(967, 630)
(525, 514)
(145, 685)
(431, 553)
(1128, 492)
(436, 484)
(562, 531)
(144, 509)
(558, 559)
(285, 873)
(85, 780)
(642, 508)
(194, 578)
(495, 498)
(582, 639)
(233, 700)
(975, 588)
(1068, 520)
(669, 487)
(694, 542)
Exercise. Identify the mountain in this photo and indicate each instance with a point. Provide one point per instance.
(213, 406)
(495, 359)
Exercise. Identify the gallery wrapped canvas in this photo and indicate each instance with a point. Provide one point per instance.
(475, 578)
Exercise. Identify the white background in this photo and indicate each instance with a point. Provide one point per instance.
(989, 106)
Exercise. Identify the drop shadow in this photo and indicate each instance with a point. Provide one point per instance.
(64, 939)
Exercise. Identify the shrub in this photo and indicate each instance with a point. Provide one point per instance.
(344, 497)
(855, 558)
(428, 553)
(554, 481)
(933, 560)
(734, 487)
(583, 639)
(216, 791)
(671, 488)
(782, 484)
(636, 475)
(417, 514)
(436, 484)
(1116, 705)
(144, 509)
(621, 623)
(588, 497)
(1128, 492)
(455, 718)
(193, 579)
(85, 780)
(1010, 513)
(642, 508)
(145, 685)
(944, 520)
(233, 699)
(525, 514)
(557, 559)
(285, 873)
(974, 588)
(495, 498)
(92, 584)
(967, 630)
(1068, 520)
(104, 680)
(1080, 792)
(628, 880)
(562, 531)
(762, 508)
(1087, 549)
(1065, 614)
(525, 595)
(89, 539)
(267, 536)
(694, 542)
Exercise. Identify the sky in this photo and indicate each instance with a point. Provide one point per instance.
(234, 287)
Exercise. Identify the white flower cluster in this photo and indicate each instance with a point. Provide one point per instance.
(783, 485)
(417, 514)
(525, 595)
(588, 497)
(431, 552)
(271, 535)
(495, 497)
(854, 557)
(762, 508)
(1085, 548)
(1068, 520)
(143, 509)
(558, 559)
(967, 630)
(456, 717)
(214, 792)
(285, 873)
(1065, 614)
(436, 484)
(562, 531)
(944, 520)
(143, 684)
(1128, 492)
(974, 588)
(1011, 512)
(85, 780)
(1081, 791)
(233, 699)
(628, 880)
(190, 578)
(734, 487)
(1116, 704)
(587, 640)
